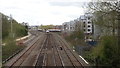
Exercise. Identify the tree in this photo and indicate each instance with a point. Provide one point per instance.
(46, 26)
(5, 26)
(105, 15)
(18, 29)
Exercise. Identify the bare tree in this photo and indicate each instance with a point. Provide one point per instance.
(106, 15)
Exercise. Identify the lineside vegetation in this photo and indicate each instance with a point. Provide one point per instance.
(9, 46)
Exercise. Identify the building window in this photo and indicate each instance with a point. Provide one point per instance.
(89, 22)
(84, 22)
(84, 25)
(88, 29)
(88, 25)
(88, 18)
(84, 29)
(86, 37)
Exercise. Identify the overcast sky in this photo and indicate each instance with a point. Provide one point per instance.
(37, 12)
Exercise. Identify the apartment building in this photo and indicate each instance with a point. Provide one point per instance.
(68, 26)
(84, 23)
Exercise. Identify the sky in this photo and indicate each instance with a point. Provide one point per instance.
(45, 12)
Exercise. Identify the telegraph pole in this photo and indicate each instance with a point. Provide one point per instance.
(0, 39)
(11, 26)
(11, 22)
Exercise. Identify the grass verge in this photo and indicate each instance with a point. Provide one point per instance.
(10, 48)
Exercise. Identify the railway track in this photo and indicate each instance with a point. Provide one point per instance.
(40, 61)
(48, 50)
(21, 58)
(74, 59)
(80, 59)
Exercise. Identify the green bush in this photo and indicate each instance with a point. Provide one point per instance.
(9, 49)
(76, 37)
(5, 27)
(18, 30)
(107, 51)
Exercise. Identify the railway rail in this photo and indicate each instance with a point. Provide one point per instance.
(48, 50)
(73, 57)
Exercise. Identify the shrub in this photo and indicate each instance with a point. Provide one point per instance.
(107, 51)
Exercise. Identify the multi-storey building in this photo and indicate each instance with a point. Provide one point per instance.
(68, 26)
(64, 27)
(85, 24)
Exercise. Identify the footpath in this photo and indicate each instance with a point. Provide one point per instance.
(24, 39)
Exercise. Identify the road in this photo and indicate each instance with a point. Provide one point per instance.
(47, 49)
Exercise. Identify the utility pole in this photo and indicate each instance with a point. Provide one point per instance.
(11, 22)
(0, 28)
(11, 26)
(0, 39)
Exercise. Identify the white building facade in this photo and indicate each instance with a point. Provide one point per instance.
(84, 23)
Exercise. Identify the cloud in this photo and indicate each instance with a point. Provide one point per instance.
(77, 4)
(68, 0)
(37, 12)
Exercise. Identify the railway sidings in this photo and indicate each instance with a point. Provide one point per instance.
(48, 49)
